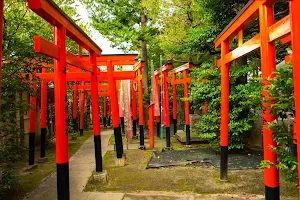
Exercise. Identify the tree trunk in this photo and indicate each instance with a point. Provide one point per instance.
(145, 72)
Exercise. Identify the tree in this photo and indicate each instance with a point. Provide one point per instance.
(127, 26)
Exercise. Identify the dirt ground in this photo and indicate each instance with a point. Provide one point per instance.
(134, 177)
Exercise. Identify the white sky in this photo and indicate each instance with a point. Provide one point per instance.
(96, 36)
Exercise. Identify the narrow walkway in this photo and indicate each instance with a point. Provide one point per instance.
(81, 166)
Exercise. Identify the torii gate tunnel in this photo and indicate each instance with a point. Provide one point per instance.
(103, 91)
(185, 81)
(270, 31)
(65, 27)
(165, 113)
(165, 80)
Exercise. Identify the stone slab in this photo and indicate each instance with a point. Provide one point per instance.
(29, 168)
(181, 137)
(120, 162)
(100, 177)
(42, 160)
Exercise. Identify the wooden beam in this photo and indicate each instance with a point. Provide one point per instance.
(277, 31)
(181, 68)
(45, 47)
(280, 29)
(49, 11)
(242, 20)
(181, 81)
(245, 48)
(75, 61)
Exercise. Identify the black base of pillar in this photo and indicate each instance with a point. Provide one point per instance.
(118, 142)
(108, 121)
(142, 139)
(224, 163)
(188, 134)
(158, 129)
(294, 150)
(272, 193)
(75, 125)
(31, 148)
(122, 125)
(98, 153)
(104, 122)
(81, 132)
(175, 125)
(63, 185)
(134, 128)
(43, 142)
(168, 137)
(121, 142)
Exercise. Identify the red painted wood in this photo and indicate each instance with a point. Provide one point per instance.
(224, 97)
(268, 63)
(54, 16)
(32, 114)
(82, 102)
(166, 98)
(113, 95)
(295, 27)
(151, 125)
(95, 97)
(248, 16)
(44, 86)
(205, 111)
(174, 98)
(186, 96)
(60, 95)
(133, 103)
(75, 101)
(140, 97)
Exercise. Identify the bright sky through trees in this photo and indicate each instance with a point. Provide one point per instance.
(96, 36)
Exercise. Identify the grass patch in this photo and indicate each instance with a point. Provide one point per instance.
(133, 177)
(111, 140)
(29, 181)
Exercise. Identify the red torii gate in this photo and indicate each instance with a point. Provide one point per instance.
(165, 98)
(65, 27)
(185, 81)
(138, 69)
(158, 123)
(75, 74)
(265, 40)
(84, 88)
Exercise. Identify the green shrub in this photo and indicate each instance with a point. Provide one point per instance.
(281, 91)
(245, 101)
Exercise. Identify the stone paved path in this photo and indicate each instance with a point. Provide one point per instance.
(81, 165)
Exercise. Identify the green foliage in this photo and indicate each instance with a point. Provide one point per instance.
(119, 21)
(72, 134)
(281, 92)
(244, 100)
